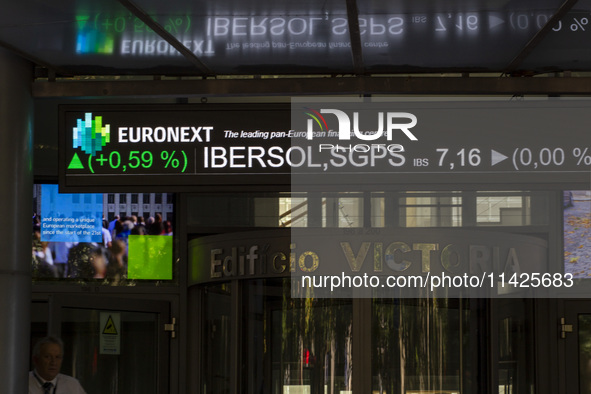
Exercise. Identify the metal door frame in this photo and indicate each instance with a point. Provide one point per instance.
(117, 303)
(572, 308)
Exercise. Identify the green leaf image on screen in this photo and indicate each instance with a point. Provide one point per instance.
(149, 257)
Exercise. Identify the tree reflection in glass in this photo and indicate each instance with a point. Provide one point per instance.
(417, 345)
(316, 344)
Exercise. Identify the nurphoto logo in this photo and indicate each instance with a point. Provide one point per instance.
(344, 122)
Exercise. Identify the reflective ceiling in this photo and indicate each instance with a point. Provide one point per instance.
(299, 37)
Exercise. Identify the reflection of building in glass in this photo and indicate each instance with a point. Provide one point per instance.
(122, 204)
(503, 208)
(139, 204)
(413, 209)
(77, 206)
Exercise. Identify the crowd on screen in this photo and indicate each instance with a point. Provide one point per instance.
(93, 260)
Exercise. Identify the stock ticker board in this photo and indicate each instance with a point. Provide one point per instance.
(328, 144)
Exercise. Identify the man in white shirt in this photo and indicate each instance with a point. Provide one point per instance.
(46, 377)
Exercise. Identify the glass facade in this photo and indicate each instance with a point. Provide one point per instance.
(216, 339)
(304, 344)
(514, 352)
(256, 336)
(422, 345)
(115, 368)
(285, 345)
(409, 209)
(278, 344)
(584, 353)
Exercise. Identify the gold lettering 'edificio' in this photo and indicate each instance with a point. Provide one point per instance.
(377, 257)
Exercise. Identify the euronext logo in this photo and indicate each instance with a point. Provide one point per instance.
(90, 134)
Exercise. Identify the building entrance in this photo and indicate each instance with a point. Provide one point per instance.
(112, 345)
(576, 330)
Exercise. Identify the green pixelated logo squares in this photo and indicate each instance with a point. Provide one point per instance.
(90, 134)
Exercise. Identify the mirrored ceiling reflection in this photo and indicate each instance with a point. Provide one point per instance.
(294, 37)
(244, 7)
(567, 46)
(81, 38)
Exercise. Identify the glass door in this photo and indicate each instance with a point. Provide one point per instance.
(113, 345)
(577, 336)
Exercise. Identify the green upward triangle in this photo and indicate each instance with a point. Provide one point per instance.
(81, 21)
(75, 164)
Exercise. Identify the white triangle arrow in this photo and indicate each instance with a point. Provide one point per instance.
(494, 21)
(496, 157)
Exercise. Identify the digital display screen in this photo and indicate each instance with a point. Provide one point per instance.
(114, 239)
(577, 233)
(200, 147)
(169, 146)
(70, 217)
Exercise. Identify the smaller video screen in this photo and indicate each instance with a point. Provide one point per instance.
(577, 232)
(114, 238)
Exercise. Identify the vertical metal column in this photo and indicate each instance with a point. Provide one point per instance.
(16, 200)
(362, 346)
(314, 210)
